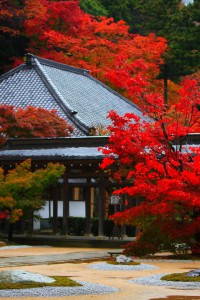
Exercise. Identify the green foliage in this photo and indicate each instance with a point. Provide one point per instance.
(158, 15)
(119, 10)
(93, 7)
(177, 23)
(180, 277)
(61, 281)
(26, 187)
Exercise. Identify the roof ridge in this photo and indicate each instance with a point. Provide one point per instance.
(31, 57)
(11, 72)
(58, 97)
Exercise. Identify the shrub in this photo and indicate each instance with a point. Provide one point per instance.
(140, 248)
(195, 248)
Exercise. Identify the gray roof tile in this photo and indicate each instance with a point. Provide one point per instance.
(51, 85)
(69, 153)
(25, 87)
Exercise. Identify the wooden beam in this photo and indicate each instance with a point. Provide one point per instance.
(65, 223)
(101, 205)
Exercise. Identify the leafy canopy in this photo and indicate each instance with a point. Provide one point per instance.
(23, 190)
(31, 122)
(160, 169)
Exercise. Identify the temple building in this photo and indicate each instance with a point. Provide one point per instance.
(85, 192)
(84, 102)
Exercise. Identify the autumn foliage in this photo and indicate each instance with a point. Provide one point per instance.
(61, 31)
(31, 122)
(22, 188)
(11, 17)
(151, 154)
(161, 170)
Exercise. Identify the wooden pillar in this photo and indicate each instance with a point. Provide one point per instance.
(92, 202)
(88, 210)
(101, 205)
(30, 224)
(55, 210)
(122, 208)
(65, 196)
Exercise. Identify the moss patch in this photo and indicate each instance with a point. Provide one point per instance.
(110, 261)
(180, 277)
(83, 261)
(61, 281)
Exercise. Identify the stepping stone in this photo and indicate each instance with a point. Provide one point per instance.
(194, 273)
(17, 276)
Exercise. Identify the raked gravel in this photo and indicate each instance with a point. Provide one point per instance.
(109, 267)
(85, 289)
(14, 247)
(155, 280)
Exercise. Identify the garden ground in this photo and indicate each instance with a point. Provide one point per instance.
(54, 261)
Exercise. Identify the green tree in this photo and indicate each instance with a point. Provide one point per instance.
(179, 25)
(93, 7)
(119, 10)
(27, 186)
(22, 189)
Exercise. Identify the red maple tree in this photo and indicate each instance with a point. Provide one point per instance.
(25, 123)
(161, 171)
(31, 122)
(61, 31)
(11, 18)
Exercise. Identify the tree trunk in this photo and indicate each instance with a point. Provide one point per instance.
(166, 90)
(165, 80)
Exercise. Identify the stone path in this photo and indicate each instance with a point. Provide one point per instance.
(47, 259)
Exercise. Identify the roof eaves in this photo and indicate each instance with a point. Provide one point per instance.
(58, 97)
(59, 142)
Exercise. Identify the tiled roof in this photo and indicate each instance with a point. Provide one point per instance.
(77, 96)
(68, 153)
(56, 149)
